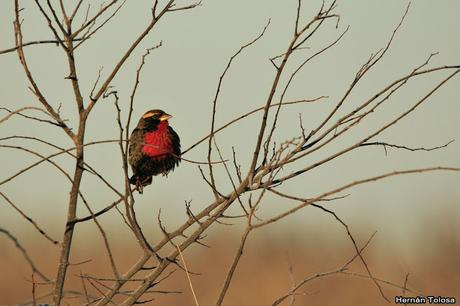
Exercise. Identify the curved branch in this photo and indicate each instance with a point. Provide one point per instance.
(214, 103)
(20, 110)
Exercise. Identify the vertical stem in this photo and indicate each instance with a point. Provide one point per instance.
(232, 269)
(71, 215)
(79, 168)
(263, 125)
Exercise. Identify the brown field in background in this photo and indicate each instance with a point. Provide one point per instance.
(433, 264)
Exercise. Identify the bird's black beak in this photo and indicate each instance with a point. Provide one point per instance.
(165, 117)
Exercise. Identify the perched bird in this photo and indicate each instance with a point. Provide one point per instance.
(154, 148)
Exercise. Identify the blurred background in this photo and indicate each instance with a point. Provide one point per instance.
(415, 216)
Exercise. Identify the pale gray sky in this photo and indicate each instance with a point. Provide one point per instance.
(181, 78)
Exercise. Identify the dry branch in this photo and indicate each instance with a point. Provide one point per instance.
(25, 255)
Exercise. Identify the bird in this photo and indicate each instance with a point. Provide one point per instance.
(154, 148)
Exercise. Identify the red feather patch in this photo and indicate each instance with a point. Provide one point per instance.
(158, 143)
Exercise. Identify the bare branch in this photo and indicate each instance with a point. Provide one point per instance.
(358, 252)
(37, 42)
(88, 167)
(50, 22)
(20, 110)
(365, 68)
(75, 11)
(29, 219)
(370, 136)
(386, 144)
(188, 277)
(214, 103)
(36, 90)
(353, 184)
(273, 89)
(26, 256)
(91, 32)
(306, 280)
(248, 114)
(185, 7)
(232, 269)
(94, 18)
(291, 78)
(133, 46)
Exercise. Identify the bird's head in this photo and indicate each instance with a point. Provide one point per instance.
(152, 118)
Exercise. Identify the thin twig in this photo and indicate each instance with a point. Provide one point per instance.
(25, 255)
(188, 277)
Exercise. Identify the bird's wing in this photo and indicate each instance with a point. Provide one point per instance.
(136, 142)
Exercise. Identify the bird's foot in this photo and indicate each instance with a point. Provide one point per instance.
(139, 186)
(142, 182)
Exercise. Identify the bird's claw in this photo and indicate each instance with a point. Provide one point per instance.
(139, 186)
(141, 183)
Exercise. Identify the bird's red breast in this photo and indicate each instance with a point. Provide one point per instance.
(158, 143)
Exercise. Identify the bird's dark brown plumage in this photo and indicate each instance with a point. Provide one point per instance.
(154, 148)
